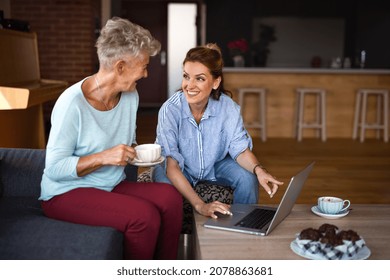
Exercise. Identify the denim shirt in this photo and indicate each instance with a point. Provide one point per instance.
(197, 148)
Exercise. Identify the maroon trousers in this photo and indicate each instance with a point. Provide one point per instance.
(148, 214)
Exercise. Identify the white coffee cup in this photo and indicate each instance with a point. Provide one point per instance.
(332, 205)
(148, 152)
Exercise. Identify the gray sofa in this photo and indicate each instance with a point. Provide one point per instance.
(26, 233)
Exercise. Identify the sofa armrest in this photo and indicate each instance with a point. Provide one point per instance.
(21, 171)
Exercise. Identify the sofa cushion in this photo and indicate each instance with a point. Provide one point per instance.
(1, 182)
(25, 233)
(208, 192)
(22, 171)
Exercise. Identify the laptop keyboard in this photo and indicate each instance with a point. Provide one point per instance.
(258, 218)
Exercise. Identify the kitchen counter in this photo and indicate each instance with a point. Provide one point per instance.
(341, 86)
(307, 70)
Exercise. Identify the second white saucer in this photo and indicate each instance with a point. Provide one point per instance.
(316, 211)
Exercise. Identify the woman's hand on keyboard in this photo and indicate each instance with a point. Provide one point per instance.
(210, 209)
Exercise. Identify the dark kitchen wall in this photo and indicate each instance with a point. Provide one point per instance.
(367, 23)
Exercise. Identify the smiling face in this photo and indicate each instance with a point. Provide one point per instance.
(197, 83)
(132, 70)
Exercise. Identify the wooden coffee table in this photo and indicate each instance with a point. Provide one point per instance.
(371, 221)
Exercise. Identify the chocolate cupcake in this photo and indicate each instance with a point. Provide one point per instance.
(349, 235)
(331, 240)
(328, 229)
(310, 234)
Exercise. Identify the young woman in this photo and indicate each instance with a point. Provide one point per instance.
(203, 137)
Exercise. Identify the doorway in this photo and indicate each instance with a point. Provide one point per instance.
(164, 70)
(152, 90)
(182, 30)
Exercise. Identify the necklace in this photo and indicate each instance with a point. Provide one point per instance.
(198, 116)
(100, 91)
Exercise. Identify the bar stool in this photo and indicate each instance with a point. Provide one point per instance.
(382, 113)
(261, 122)
(320, 118)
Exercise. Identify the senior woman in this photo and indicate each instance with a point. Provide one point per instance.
(91, 141)
(201, 131)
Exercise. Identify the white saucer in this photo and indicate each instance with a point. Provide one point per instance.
(362, 254)
(316, 211)
(147, 164)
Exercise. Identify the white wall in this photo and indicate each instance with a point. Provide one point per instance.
(181, 38)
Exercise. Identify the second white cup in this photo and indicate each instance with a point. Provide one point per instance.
(332, 205)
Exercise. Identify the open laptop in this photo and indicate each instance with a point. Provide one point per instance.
(257, 219)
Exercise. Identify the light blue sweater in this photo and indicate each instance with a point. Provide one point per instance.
(77, 130)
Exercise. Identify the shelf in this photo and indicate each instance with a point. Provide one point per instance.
(29, 94)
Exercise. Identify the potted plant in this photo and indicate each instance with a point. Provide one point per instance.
(260, 49)
(237, 50)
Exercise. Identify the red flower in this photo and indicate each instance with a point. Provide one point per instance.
(240, 45)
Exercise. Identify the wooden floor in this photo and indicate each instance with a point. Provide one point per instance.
(349, 169)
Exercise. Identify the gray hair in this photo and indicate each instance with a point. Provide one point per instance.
(120, 37)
